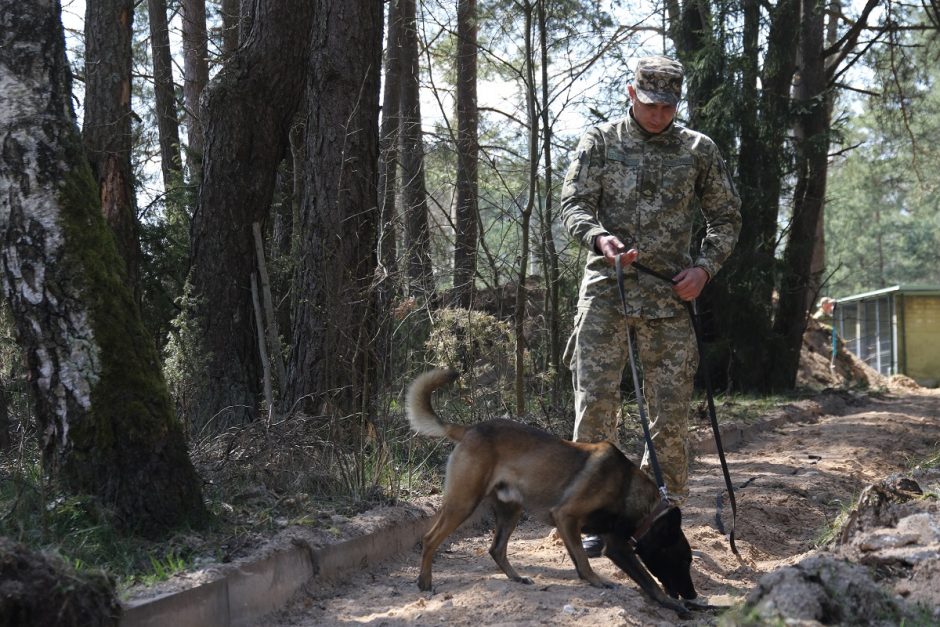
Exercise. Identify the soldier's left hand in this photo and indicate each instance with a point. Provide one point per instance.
(690, 282)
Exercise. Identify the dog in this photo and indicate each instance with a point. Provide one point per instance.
(575, 486)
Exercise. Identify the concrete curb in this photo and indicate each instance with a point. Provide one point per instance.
(253, 590)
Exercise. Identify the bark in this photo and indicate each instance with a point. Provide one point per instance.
(168, 126)
(466, 209)
(411, 157)
(249, 108)
(230, 22)
(107, 128)
(195, 73)
(333, 361)
(105, 415)
(812, 142)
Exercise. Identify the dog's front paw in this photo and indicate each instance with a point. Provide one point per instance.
(525, 580)
(597, 582)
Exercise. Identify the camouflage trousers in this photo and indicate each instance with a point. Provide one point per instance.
(597, 356)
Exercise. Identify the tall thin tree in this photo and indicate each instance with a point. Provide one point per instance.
(547, 218)
(195, 72)
(466, 207)
(388, 147)
(528, 9)
(165, 94)
(107, 127)
(411, 157)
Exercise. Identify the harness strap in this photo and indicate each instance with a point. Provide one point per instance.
(692, 308)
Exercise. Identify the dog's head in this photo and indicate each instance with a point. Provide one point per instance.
(667, 554)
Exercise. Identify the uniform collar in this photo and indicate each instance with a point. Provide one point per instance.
(639, 132)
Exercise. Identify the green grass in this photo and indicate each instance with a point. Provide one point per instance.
(78, 531)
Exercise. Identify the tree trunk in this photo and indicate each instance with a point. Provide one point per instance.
(168, 126)
(549, 254)
(818, 264)
(521, 293)
(389, 284)
(249, 108)
(411, 156)
(388, 149)
(106, 129)
(812, 142)
(466, 209)
(332, 357)
(103, 408)
(195, 74)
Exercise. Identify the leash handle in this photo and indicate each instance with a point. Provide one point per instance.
(640, 401)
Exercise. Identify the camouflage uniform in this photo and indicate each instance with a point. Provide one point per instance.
(645, 189)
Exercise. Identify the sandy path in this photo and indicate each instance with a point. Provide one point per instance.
(797, 479)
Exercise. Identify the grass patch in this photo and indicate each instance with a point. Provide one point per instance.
(745, 409)
(828, 533)
(77, 529)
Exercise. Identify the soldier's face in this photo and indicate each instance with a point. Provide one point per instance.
(656, 117)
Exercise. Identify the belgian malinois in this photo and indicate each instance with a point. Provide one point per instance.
(575, 486)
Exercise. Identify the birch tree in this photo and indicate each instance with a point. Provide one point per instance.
(106, 420)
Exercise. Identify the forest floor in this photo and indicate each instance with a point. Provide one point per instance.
(793, 483)
(797, 481)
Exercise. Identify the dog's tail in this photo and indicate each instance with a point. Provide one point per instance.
(421, 415)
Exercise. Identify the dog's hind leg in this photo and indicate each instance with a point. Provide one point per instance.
(507, 517)
(453, 512)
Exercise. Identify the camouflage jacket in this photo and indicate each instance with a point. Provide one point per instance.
(645, 189)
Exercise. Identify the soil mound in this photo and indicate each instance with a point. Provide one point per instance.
(881, 568)
(818, 370)
(37, 589)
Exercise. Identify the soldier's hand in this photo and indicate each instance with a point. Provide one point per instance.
(610, 246)
(690, 282)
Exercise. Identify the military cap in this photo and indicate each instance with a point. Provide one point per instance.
(658, 80)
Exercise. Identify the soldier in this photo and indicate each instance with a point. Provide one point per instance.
(632, 190)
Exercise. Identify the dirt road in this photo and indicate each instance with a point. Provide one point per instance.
(794, 480)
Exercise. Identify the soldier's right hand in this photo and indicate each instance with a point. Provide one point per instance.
(610, 246)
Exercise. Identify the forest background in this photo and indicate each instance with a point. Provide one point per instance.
(281, 211)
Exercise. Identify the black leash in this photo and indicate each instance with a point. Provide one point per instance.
(641, 404)
(697, 328)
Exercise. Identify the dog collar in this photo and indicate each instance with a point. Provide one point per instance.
(643, 528)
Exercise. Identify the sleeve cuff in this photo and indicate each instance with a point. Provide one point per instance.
(710, 268)
(592, 235)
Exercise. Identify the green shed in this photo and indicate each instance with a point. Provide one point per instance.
(895, 330)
